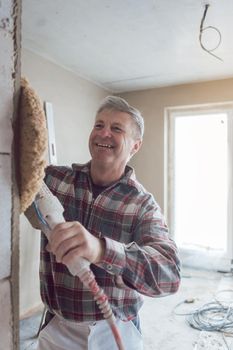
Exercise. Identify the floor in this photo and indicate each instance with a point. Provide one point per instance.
(161, 328)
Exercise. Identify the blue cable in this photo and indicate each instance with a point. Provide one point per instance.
(40, 216)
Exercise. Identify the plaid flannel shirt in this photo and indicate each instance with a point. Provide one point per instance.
(140, 258)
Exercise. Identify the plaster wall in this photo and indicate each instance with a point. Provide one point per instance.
(9, 211)
(74, 101)
(149, 161)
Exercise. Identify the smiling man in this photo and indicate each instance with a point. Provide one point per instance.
(114, 223)
(113, 141)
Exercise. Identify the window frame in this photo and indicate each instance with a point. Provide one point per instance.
(200, 258)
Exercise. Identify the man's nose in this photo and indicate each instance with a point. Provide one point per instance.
(105, 132)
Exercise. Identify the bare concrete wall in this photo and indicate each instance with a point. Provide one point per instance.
(9, 208)
(75, 101)
(149, 161)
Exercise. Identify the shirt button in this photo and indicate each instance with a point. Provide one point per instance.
(109, 267)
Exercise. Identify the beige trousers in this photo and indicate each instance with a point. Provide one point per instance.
(60, 334)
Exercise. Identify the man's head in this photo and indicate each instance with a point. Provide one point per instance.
(116, 135)
(118, 104)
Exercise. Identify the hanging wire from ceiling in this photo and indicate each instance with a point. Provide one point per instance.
(203, 29)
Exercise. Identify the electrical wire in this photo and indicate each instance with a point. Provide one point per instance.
(214, 316)
(203, 29)
(40, 216)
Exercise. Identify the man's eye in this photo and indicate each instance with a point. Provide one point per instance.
(98, 126)
(117, 129)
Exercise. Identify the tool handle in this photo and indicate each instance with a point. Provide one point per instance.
(51, 211)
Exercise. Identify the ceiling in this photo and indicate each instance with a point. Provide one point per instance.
(125, 45)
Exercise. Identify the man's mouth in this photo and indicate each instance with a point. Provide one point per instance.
(104, 145)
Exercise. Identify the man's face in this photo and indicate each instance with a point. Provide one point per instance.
(112, 141)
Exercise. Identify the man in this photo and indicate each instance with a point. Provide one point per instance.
(113, 222)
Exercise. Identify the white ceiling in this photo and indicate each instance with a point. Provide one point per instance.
(125, 45)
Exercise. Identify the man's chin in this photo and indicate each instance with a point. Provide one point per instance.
(103, 159)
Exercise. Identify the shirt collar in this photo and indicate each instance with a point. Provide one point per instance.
(129, 178)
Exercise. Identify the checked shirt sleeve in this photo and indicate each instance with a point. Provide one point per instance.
(150, 263)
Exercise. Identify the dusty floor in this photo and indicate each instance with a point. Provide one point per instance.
(162, 329)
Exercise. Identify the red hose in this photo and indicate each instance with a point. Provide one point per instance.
(101, 299)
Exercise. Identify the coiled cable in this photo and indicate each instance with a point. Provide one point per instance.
(214, 316)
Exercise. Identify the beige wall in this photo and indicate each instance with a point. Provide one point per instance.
(75, 101)
(149, 162)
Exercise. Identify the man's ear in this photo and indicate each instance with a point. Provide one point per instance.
(136, 147)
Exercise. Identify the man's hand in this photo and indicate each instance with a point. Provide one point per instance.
(70, 239)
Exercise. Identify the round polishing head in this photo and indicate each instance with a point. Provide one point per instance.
(33, 144)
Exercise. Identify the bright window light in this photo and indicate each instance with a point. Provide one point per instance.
(200, 182)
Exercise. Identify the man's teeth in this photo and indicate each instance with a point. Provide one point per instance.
(103, 145)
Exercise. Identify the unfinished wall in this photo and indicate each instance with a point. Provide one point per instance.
(9, 208)
(75, 101)
(149, 161)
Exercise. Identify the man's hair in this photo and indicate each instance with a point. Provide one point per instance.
(116, 103)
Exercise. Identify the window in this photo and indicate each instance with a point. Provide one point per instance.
(199, 184)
